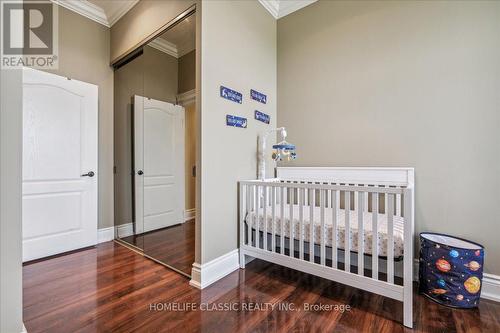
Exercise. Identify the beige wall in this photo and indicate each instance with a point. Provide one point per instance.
(412, 83)
(141, 23)
(153, 75)
(11, 143)
(128, 82)
(160, 75)
(187, 71)
(239, 51)
(83, 55)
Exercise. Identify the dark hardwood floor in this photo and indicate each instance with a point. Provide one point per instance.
(111, 289)
(173, 246)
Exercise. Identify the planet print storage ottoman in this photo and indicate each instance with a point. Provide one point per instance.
(451, 270)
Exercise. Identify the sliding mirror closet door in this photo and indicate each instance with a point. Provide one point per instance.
(161, 153)
(128, 84)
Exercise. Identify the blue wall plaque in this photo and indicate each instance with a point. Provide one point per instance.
(260, 116)
(236, 121)
(259, 97)
(231, 95)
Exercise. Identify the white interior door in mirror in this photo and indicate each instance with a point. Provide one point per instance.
(158, 164)
(59, 164)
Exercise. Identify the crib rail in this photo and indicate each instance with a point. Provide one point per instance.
(279, 200)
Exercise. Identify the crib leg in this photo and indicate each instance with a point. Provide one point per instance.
(408, 313)
(242, 259)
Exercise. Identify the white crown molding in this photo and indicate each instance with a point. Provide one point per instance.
(281, 8)
(183, 52)
(85, 8)
(164, 46)
(185, 99)
(272, 7)
(120, 11)
(96, 13)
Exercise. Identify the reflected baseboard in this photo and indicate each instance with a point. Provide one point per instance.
(124, 230)
(189, 214)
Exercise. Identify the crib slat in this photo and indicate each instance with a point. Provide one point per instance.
(356, 201)
(386, 203)
(375, 236)
(257, 219)
(301, 223)
(361, 235)
(312, 198)
(347, 238)
(335, 207)
(282, 220)
(264, 213)
(322, 198)
(248, 209)
(273, 217)
(398, 205)
(291, 223)
(365, 202)
(390, 240)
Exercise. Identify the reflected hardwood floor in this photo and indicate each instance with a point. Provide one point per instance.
(173, 246)
(111, 289)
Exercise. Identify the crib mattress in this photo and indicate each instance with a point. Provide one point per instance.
(367, 228)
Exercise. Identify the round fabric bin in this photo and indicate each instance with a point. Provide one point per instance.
(451, 270)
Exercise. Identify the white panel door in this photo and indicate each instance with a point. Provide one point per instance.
(158, 164)
(59, 164)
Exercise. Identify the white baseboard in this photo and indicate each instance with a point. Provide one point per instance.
(124, 230)
(204, 275)
(189, 214)
(105, 235)
(24, 329)
(491, 287)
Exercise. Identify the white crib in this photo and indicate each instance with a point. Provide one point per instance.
(313, 206)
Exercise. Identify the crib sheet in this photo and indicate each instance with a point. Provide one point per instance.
(367, 227)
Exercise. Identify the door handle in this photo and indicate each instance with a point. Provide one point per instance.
(140, 173)
(89, 174)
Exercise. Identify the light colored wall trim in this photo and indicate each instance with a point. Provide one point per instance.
(491, 287)
(24, 329)
(281, 8)
(272, 7)
(105, 235)
(124, 230)
(164, 46)
(204, 275)
(189, 214)
(85, 8)
(187, 98)
(96, 13)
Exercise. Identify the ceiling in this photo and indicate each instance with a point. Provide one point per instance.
(182, 35)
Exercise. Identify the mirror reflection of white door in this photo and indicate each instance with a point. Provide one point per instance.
(59, 164)
(158, 164)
